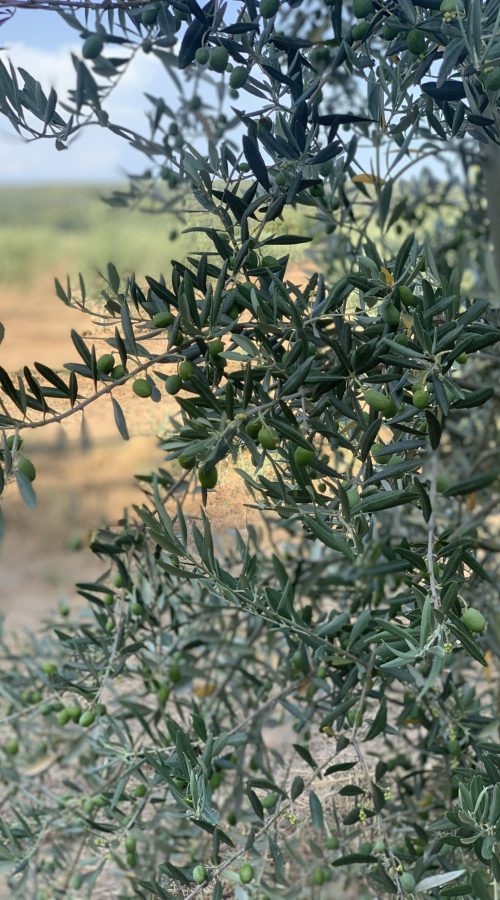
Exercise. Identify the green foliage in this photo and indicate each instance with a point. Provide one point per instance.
(358, 406)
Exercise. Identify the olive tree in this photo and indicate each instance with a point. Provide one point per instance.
(358, 404)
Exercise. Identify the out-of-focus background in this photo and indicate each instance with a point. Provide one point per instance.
(53, 223)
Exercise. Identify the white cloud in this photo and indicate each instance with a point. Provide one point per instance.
(96, 154)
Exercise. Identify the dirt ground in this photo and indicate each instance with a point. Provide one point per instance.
(78, 488)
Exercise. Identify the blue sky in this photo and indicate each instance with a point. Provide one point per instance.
(41, 42)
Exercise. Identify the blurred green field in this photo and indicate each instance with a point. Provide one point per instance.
(56, 229)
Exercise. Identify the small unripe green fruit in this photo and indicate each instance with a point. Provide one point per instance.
(186, 369)
(199, 874)
(108, 599)
(163, 693)
(219, 58)
(268, 438)
(162, 319)
(202, 55)
(365, 847)
(87, 718)
(186, 461)
(332, 842)
(136, 609)
(318, 876)
(118, 372)
(173, 384)
(25, 466)
(131, 860)
(63, 716)
(253, 428)
(118, 581)
(302, 456)
(462, 358)
(389, 33)
(208, 479)
(49, 668)
(360, 31)
(492, 80)
(407, 882)
(130, 843)
(390, 314)
(269, 801)
(142, 387)
(421, 398)
(269, 8)
(238, 77)
(149, 16)
(74, 711)
(379, 846)
(105, 364)
(377, 400)
(246, 873)
(12, 747)
(140, 790)
(92, 46)
(251, 262)
(215, 347)
(407, 297)
(281, 179)
(362, 8)
(474, 620)
(415, 41)
(270, 262)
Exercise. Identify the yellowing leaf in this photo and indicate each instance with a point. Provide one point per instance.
(388, 276)
(205, 690)
(367, 179)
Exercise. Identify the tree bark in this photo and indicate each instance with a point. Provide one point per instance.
(490, 161)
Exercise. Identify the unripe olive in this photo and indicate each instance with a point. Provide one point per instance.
(199, 874)
(49, 668)
(63, 717)
(208, 479)
(360, 31)
(186, 461)
(303, 456)
(238, 77)
(215, 347)
(87, 718)
(332, 842)
(318, 875)
(130, 843)
(269, 8)
(163, 693)
(186, 369)
(253, 428)
(219, 58)
(407, 882)
(246, 873)
(173, 384)
(379, 401)
(390, 314)
(118, 372)
(140, 790)
(92, 46)
(268, 438)
(105, 364)
(25, 466)
(474, 620)
(269, 801)
(74, 711)
(162, 319)
(12, 746)
(407, 297)
(202, 55)
(362, 8)
(415, 41)
(492, 80)
(142, 387)
(421, 398)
